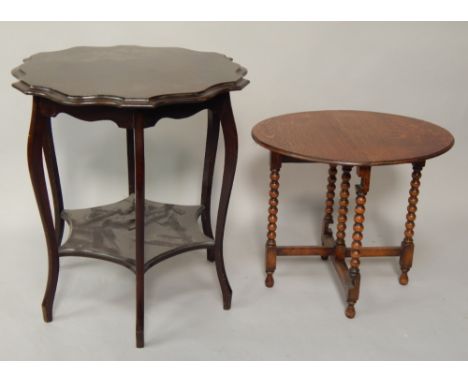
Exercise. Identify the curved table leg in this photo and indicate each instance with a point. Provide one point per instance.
(140, 227)
(228, 124)
(407, 246)
(36, 139)
(54, 179)
(208, 170)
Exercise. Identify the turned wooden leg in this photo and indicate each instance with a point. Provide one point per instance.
(140, 227)
(224, 111)
(340, 249)
(208, 171)
(407, 246)
(37, 133)
(270, 248)
(327, 233)
(358, 228)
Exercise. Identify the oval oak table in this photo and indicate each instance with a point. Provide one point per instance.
(134, 87)
(347, 139)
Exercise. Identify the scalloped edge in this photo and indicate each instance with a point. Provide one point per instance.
(122, 102)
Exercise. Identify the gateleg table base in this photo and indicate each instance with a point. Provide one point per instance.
(333, 246)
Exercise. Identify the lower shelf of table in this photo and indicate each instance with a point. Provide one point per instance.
(108, 232)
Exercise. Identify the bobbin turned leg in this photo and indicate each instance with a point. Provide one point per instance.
(327, 233)
(270, 247)
(340, 249)
(361, 191)
(407, 245)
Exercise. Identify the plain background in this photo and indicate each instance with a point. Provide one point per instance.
(416, 69)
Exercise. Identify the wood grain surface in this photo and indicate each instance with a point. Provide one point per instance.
(349, 137)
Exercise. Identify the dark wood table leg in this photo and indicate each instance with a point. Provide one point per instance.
(54, 179)
(224, 111)
(140, 226)
(131, 160)
(270, 247)
(407, 246)
(40, 123)
(327, 234)
(212, 136)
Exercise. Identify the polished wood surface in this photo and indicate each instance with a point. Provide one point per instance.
(128, 76)
(348, 137)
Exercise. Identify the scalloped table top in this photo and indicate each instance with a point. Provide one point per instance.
(128, 76)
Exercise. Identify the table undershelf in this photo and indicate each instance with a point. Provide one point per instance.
(108, 232)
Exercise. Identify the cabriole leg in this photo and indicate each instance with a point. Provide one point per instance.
(270, 248)
(54, 179)
(36, 139)
(212, 136)
(228, 124)
(407, 246)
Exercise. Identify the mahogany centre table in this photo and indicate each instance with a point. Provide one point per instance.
(347, 139)
(134, 87)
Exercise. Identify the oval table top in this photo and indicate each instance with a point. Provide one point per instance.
(354, 138)
(128, 76)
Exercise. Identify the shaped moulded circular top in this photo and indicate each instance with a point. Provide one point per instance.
(349, 137)
(128, 76)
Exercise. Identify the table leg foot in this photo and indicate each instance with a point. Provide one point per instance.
(49, 295)
(223, 279)
(403, 279)
(269, 281)
(350, 312)
(140, 339)
(227, 301)
(210, 255)
(47, 313)
(324, 258)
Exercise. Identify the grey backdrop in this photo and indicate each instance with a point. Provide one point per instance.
(416, 69)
